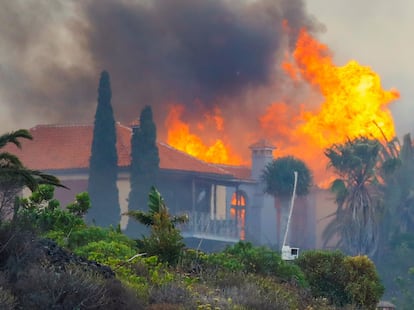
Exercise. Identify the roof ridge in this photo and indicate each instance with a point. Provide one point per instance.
(193, 157)
(233, 166)
(123, 126)
(62, 125)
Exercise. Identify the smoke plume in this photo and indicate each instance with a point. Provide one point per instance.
(198, 53)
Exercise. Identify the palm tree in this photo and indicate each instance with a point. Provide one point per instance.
(165, 240)
(157, 209)
(278, 176)
(356, 194)
(14, 175)
(12, 168)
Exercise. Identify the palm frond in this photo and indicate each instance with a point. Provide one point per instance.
(9, 160)
(180, 219)
(155, 201)
(44, 178)
(14, 136)
(141, 217)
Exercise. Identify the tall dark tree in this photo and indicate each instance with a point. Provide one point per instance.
(103, 166)
(144, 163)
(279, 179)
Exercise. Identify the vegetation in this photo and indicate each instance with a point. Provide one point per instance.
(51, 259)
(279, 178)
(397, 222)
(343, 280)
(144, 163)
(14, 176)
(375, 209)
(241, 277)
(165, 240)
(358, 200)
(103, 166)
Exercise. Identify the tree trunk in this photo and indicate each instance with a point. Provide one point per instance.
(278, 206)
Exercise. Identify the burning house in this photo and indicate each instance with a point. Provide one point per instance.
(219, 77)
(224, 202)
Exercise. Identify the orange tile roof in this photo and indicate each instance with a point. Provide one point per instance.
(63, 147)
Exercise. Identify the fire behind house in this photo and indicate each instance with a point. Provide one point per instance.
(219, 77)
(225, 203)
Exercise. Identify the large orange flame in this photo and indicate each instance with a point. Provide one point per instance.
(355, 103)
(350, 102)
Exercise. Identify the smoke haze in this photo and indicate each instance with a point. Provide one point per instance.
(202, 54)
(197, 53)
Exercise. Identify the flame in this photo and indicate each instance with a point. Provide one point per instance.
(180, 136)
(343, 102)
(355, 103)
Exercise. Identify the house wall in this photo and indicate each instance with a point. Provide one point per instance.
(123, 193)
(185, 193)
(324, 204)
(76, 183)
(219, 202)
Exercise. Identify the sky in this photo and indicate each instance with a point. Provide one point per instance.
(51, 52)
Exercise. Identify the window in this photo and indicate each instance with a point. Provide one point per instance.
(238, 211)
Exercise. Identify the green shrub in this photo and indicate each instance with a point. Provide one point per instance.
(362, 282)
(244, 257)
(165, 239)
(343, 280)
(81, 205)
(102, 251)
(326, 275)
(41, 212)
(84, 235)
(167, 244)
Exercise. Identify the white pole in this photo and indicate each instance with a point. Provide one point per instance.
(292, 201)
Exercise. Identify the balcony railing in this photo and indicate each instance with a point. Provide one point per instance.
(202, 225)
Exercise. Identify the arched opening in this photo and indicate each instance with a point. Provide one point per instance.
(238, 211)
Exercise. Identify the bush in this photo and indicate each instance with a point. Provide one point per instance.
(244, 257)
(343, 280)
(325, 274)
(262, 293)
(45, 220)
(82, 236)
(45, 288)
(171, 293)
(166, 244)
(103, 251)
(362, 282)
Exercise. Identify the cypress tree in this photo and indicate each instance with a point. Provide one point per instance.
(144, 165)
(103, 165)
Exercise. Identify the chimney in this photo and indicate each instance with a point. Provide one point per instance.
(262, 154)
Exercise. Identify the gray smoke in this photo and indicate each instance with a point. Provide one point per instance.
(157, 52)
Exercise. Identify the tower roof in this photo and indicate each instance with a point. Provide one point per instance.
(262, 144)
